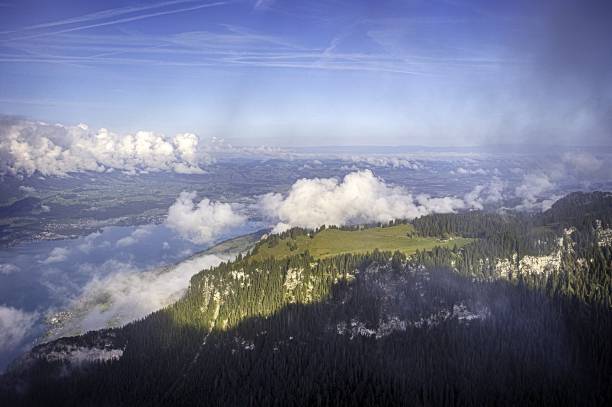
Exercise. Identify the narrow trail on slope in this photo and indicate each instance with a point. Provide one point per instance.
(180, 379)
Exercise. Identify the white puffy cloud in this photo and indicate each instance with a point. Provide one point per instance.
(495, 190)
(14, 326)
(446, 204)
(490, 193)
(474, 197)
(360, 197)
(468, 171)
(201, 222)
(557, 175)
(8, 268)
(57, 255)
(126, 241)
(89, 242)
(582, 162)
(136, 236)
(26, 189)
(531, 189)
(120, 292)
(387, 161)
(54, 149)
(186, 146)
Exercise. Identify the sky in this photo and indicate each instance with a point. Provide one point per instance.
(308, 73)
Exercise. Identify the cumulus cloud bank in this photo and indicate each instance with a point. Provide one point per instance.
(203, 221)
(536, 192)
(583, 163)
(54, 149)
(468, 171)
(540, 188)
(490, 193)
(383, 161)
(14, 326)
(360, 197)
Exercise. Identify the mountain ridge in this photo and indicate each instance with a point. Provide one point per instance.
(248, 313)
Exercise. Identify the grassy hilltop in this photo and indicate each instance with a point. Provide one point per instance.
(332, 242)
(443, 327)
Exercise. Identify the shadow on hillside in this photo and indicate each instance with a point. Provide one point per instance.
(528, 349)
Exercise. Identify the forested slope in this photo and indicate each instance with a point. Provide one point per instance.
(520, 316)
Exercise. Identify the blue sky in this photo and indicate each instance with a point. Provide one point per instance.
(289, 73)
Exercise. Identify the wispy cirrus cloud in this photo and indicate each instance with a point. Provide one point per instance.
(263, 4)
(114, 16)
(108, 13)
(230, 45)
(427, 71)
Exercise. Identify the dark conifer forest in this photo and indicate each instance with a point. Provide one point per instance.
(477, 325)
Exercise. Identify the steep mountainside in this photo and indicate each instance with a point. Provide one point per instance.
(520, 315)
(591, 206)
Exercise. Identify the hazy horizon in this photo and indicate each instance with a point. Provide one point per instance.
(435, 73)
(331, 202)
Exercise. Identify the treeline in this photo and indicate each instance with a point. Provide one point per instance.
(269, 343)
(585, 269)
(368, 330)
(273, 240)
(580, 210)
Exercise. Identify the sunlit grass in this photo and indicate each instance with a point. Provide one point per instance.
(332, 242)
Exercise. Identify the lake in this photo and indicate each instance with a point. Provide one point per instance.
(108, 278)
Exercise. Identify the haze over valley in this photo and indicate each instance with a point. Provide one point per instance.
(332, 203)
